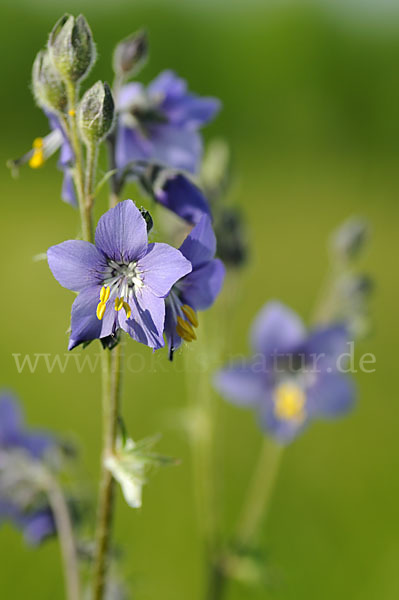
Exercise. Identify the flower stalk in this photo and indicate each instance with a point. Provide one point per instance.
(260, 493)
(111, 373)
(79, 170)
(66, 537)
(255, 511)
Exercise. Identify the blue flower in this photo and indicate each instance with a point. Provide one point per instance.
(294, 376)
(36, 521)
(178, 194)
(44, 147)
(196, 291)
(14, 435)
(122, 280)
(37, 524)
(160, 123)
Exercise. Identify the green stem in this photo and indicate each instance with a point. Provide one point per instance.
(202, 441)
(90, 180)
(65, 535)
(78, 171)
(111, 392)
(260, 493)
(255, 511)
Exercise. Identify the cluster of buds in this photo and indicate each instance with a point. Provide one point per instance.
(67, 60)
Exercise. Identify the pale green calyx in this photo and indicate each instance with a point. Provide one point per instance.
(128, 470)
(72, 48)
(129, 464)
(48, 88)
(96, 113)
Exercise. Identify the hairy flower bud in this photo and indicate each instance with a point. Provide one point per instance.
(147, 218)
(96, 113)
(350, 239)
(130, 54)
(72, 48)
(48, 88)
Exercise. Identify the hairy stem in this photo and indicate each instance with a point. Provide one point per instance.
(79, 169)
(66, 537)
(111, 391)
(90, 180)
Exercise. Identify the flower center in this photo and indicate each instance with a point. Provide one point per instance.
(121, 282)
(289, 402)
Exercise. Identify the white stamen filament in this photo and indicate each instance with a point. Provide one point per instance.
(123, 279)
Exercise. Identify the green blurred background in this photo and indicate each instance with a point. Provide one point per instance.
(311, 109)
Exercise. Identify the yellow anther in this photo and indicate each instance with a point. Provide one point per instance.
(183, 334)
(289, 402)
(128, 310)
(104, 293)
(101, 306)
(71, 112)
(118, 303)
(190, 314)
(185, 328)
(37, 143)
(37, 158)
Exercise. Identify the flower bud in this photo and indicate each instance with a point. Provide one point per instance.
(48, 89)
(96, 113)
(147, 218)
(71, 47)
(232, 245)
(350, 239)
(130, 54)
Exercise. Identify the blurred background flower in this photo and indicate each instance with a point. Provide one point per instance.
(310, 110)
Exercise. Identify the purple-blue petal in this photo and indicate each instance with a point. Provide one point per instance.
(330, 395)
(277, 330)
(167, 85)
(128, 95)
(200, 288)
(85, 326)
(192, 111)
(173, 339)
(161, 267)
(38, 526)
(200, 245)
(121, 233)
(147, 320)
(36, 444)
(164, 144)
(13, 433)
(176, 147)
(241, 384)
(325, 345)
(10, 419)
(76, 264)
(182, 197)
(68, 192)
(131, 145)
(182, 108)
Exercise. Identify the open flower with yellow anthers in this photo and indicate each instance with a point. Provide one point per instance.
(294, 376)
(196, 291)
(122, 280)
(43, 148)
